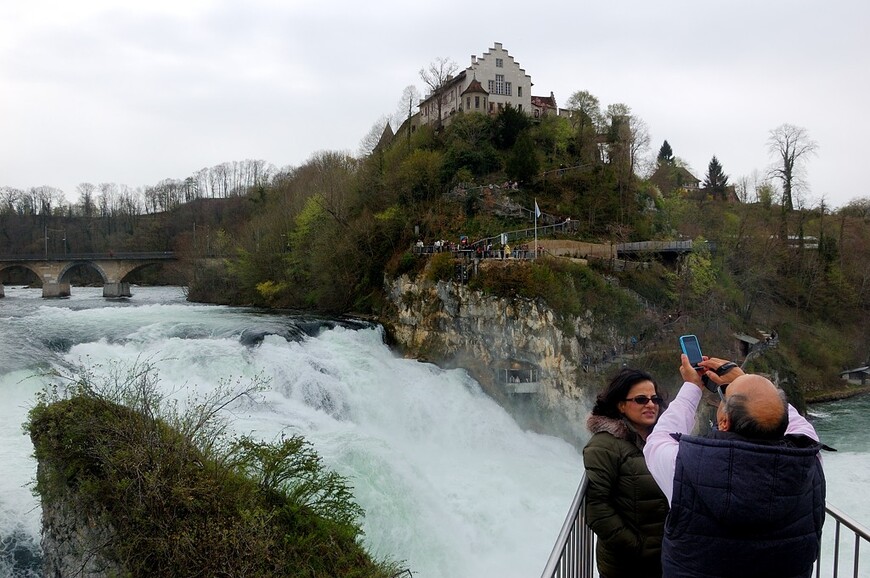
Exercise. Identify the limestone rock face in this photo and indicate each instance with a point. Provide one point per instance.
(73, 538)
(448, 324)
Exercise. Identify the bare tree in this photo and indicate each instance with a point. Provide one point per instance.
(746, 187)
(629, 136)
(372, 138)
(791, 145)
(86, 198)
(10, 200)
(410, 99)
(107, 199)
(438, 74)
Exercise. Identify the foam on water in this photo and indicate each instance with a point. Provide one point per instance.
(448, 481)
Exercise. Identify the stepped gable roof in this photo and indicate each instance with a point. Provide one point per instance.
(474, 86)
(496, 46)
(544, 101)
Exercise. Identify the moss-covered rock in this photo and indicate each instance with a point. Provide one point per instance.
(126, 494)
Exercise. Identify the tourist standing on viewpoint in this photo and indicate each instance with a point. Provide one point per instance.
(748, 500)
(624, 506)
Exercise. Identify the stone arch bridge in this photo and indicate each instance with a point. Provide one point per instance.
(112, 267)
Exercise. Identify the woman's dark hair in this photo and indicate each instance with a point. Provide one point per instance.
(617, 390)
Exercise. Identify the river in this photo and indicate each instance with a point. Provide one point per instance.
(449, 483)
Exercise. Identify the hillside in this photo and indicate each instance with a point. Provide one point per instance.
(326, 235)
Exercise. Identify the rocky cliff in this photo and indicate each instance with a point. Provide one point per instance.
(74, 539)
(499, 341)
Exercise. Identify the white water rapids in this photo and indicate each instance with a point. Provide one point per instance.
(449, 483)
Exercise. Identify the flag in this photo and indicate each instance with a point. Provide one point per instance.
(537, 210)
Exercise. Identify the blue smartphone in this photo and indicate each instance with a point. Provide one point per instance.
(692, 349)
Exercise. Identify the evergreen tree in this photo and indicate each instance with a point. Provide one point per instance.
(507, 126)
(716, 180)
(666, 154)
(522, 164)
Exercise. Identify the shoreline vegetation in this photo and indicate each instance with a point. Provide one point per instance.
(837, 395)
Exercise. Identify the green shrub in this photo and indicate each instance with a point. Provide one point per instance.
(406, 263)
(442, 267)
(655, 284)
(570, 289)
(183, 499)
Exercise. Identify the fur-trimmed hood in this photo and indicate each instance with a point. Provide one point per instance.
(615, 427)
(618, 428)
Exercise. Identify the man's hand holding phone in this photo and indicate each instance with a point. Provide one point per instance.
(704, 371)
(719, 371)
(689, 372)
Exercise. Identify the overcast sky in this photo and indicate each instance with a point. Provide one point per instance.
(132, 93)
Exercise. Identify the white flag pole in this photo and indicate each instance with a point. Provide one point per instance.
(536, 227)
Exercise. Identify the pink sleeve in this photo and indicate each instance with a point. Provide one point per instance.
(798, 425)
(661, 449)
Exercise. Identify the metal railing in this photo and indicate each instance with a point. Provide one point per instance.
(859, 534)
(573, 554)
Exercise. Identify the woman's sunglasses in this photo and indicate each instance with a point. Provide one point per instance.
(643, 400)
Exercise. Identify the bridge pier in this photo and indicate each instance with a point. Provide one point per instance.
(50, 290)
(2, 290)
(116, 290)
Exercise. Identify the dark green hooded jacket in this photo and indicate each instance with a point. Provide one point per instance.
(624, 506)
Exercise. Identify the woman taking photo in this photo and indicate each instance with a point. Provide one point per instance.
(624, 506)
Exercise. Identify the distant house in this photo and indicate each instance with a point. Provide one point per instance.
(669, 178)
(492, 82)
(745, 343)
(544, 106)
(857, 376)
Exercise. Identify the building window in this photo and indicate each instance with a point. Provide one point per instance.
(499, 63)
(499, 86)
(520, 91)
(476, 102)
(468, 102)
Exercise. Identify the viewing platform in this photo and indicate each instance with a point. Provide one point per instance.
(520, 378)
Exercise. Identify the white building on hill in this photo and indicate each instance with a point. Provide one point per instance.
(493, 81)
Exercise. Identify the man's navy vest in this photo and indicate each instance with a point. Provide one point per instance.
(744, 509)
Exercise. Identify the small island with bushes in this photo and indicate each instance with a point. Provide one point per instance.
(132, 487)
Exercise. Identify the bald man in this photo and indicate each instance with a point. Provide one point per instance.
(746, 500)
